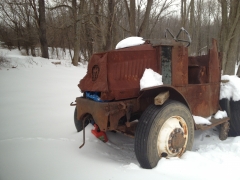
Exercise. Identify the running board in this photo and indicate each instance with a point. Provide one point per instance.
(214, 122)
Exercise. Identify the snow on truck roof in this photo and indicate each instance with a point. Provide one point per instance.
(130, 41)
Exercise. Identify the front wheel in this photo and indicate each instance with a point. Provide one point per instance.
(163, 131)
(79, 123)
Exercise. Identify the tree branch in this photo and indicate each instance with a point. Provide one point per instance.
(60, 6)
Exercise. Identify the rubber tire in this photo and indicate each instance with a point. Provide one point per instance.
(149, 126)
(79, 123)
(234, 118)
(225, 105)
(233, 111)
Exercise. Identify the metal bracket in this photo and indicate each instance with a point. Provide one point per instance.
(129, 108)
(73, 104)
(83, 132)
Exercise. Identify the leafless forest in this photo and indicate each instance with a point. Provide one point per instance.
(88, 26)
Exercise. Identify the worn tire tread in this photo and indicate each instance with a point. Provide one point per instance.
(235, 118)
(143, 127)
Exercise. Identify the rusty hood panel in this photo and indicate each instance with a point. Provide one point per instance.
(116, 74)
(95, 79)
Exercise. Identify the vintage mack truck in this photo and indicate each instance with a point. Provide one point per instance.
(160, 118)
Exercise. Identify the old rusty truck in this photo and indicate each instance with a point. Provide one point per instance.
(160, 118)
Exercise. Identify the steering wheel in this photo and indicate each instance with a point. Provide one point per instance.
(188, 41)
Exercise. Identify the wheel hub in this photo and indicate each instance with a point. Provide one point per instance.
(172, 137)
(176, 140)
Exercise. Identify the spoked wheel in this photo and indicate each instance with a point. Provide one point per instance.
(163, 131)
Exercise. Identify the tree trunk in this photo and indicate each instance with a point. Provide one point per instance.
(132, 18)
(76, 29)
(143, 27)
(111, 19)
(238, 71)
(191, 25)
(183, 12)
(75, 49)
(42, 29)
(33, 53)
(223, 32)
(232, 52)
(98, 39)
(229, 36)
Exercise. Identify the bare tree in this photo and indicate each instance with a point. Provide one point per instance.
(191, 23)
(42, 29)
(143, 27)
(110, 24)
(76, 29)
(184, 14)
(18, 16)
(159, 12)
(97, 25)
(229, 34)
(131, 12)
(238, 71)
(75, 10)
(39, 16)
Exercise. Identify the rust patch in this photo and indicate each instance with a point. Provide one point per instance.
(95, 72)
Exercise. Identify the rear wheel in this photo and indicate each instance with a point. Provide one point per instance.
(79, 123)
(163, 131)
(233, 111)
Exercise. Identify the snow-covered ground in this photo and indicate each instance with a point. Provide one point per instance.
(38, 140)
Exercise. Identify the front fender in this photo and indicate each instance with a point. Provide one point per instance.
(147, 96)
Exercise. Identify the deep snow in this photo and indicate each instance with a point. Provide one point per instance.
(38, 139)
